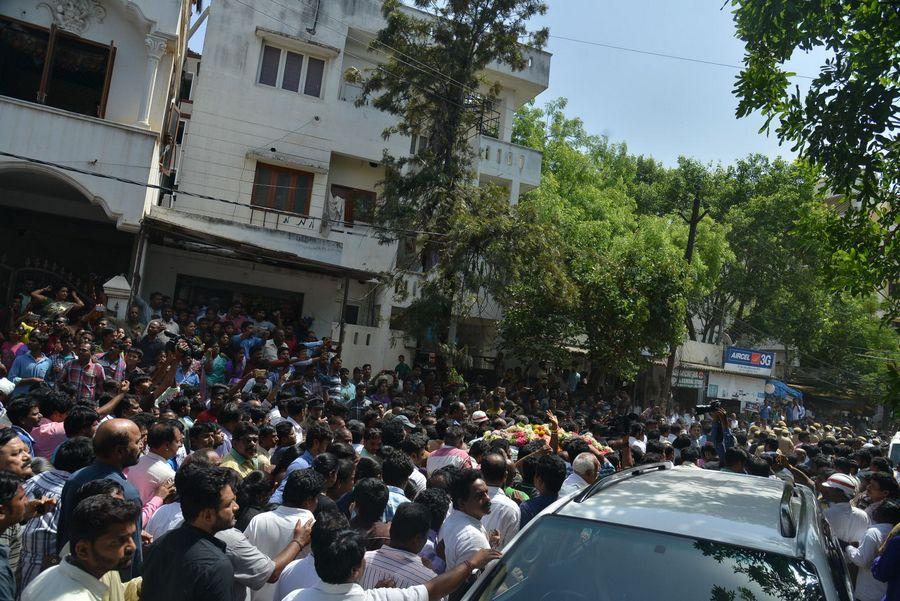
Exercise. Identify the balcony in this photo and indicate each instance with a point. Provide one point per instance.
(509, 163)
(75, 140)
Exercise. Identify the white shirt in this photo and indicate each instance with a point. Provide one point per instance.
(641, 444)
(64, 582)
(463, 536)
(151, 471)
(866, 587)
(572, 483)
(849, 524)
(224, 448)
(504, 516)
(418, 481)
(404, 568)
(168, 517)
(353, 592)
(271, 532)
(300, 573)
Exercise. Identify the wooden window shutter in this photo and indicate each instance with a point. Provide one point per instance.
(107, 80)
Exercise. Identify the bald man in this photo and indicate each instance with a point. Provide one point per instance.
(585, 469)
(117, 445)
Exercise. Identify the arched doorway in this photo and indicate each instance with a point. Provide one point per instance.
(53, 232)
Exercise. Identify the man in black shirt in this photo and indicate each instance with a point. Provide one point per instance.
(151, 345)
(189, 563)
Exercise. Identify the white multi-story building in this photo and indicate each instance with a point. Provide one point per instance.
(272, 131)
(86, 85)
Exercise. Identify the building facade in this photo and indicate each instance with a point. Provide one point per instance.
(85, 87)
(270, 128)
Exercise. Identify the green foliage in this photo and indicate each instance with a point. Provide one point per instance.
(847, 122)
(760, 272)
(620, 280)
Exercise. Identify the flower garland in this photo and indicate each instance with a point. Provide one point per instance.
(521, 434)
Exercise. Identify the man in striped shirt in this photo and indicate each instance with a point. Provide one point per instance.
(398, 560)
(451, 453)
(84, 374)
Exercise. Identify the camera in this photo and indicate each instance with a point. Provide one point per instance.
(702, 409)
(196, 352)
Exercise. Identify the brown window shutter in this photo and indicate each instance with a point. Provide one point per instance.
(106, 82)
(48, 65)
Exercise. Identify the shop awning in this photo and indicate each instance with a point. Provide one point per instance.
(783, 390)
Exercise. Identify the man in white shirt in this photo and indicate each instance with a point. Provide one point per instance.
(505, 515)
(848, 523)
(271, 531)
(102, 540)
(637, 439)
(462, 532)
(866, 587)
(398, 560)
(341, 565)
(301, 573)
(164, 439)
(585, 469)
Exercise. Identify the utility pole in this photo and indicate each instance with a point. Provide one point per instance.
(694, 220)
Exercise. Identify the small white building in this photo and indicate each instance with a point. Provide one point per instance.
(84, 85)
(273, 133)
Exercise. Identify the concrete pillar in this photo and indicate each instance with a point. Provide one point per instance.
(117, 291)
(156, 47)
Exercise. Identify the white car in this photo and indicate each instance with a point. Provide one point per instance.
(894, 449)
(661, 532)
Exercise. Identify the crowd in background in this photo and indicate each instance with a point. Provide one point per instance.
(207, 452)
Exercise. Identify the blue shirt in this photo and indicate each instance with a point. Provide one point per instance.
(765, 412)
(302, 462)
(97, 471)
(26, 438)
(886, 568)
(532, 507)
(191, 378)
(26, 366)
(396, 498)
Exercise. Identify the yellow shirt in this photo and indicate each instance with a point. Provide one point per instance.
(244, 466)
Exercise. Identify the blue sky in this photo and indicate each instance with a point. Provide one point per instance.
(660, 107)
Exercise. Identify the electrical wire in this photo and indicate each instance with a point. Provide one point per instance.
(657, 54)
(166, 190)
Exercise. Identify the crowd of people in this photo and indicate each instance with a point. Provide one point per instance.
(189, 453)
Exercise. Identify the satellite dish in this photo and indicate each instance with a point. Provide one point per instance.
(770, 388)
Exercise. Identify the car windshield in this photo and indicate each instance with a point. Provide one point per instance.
(569, 559)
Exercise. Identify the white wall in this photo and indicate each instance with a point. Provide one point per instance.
(34, 130)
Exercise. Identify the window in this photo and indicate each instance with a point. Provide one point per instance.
(351, 315)
(559, 555)
(417, 144)
(55, 68)
(287, 70)
(282, 189)
(187, 84)
(359, 205)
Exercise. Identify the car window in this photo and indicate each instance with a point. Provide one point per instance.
(568, 559)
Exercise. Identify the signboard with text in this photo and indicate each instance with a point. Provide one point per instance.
(688, 378)
(748, 361)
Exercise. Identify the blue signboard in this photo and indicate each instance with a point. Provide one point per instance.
(748, 361)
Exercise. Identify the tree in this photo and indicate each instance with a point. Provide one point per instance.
(433, 82)
(621, 287)
(846, 124)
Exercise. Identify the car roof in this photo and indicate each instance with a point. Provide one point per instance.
(720, 506)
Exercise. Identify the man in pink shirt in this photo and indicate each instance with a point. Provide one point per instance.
(50, 433)
(451, 453)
